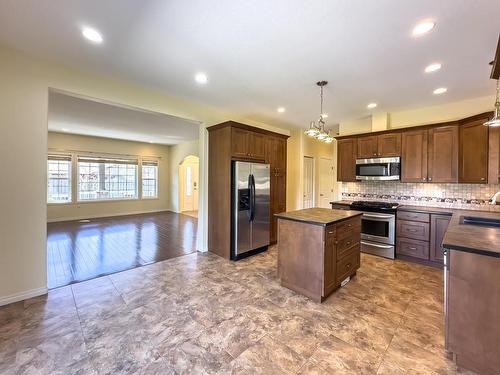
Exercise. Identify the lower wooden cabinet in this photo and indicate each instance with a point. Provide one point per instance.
(439, 224)
(419, 236)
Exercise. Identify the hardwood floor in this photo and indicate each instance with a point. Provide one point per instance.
(78, 251)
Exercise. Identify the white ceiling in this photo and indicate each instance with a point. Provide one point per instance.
(261, 54)
(88, 117)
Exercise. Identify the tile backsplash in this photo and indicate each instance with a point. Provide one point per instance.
(465, 196)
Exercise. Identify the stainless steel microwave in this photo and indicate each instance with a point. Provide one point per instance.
(378, 169)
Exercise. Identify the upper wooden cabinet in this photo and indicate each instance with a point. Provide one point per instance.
(346, 159)
(367, 147)
(389, 145)
(377, 146)
(473, 159)
(414, 156)
(442, 163)
(247, 144)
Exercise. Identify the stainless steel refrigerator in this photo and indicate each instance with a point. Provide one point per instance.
(250, 208)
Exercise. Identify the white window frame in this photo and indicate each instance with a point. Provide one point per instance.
(69, 157)
(157, 162)
(103, 159)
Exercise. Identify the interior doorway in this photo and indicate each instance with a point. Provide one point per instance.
(189, 185)
(326, 181)
(308, 187)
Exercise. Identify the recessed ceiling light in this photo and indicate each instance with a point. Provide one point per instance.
(371, 105)
(440, 90)
(65, 129)
(151, 142)
(281, 109)
(92, 34)
(201, 78)
(423, 27)
(433, 67)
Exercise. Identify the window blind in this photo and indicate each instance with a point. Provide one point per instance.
(106, 160)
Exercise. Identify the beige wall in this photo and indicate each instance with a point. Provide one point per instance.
(25, 83)
(81, 210)
(300, 145)
(419, 116)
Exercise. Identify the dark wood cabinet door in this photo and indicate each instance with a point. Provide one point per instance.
(346, 160)
(389, 145)
(439, 224)
(239, 143)
(257, 146)
(414, 156)
(367, 147)
(276, 157)
(443, 154)
(329, 281)
(494, 156)
(473, 159)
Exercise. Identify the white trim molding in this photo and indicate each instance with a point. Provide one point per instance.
(84, 217)
(23, 295)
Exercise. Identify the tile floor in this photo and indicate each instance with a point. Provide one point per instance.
(201, 314)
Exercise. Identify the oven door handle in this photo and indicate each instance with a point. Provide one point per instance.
(375, 245)
(372, 216)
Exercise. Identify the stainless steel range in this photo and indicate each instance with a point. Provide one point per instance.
(378, 227)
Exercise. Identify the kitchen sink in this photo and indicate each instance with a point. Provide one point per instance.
(481, 221)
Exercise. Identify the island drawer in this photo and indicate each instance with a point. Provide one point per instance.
(345, 244)
(330, 233)
(413, 248)
(348, 264)
(413, 229)
(413, 216)
(348, 228)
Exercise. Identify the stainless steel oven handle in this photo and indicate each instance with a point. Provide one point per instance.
(378, 216)
(374, 245)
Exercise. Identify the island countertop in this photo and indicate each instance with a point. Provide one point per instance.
(318, 216)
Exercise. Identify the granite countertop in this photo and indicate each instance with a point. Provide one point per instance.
(343, 201)
(427, 209)
(473, 238)
(318, 216)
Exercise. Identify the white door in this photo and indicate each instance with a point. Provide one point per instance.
(326, 180)
(190, 187)
(308, 187)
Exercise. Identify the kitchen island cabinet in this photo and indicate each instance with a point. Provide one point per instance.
(318, 248)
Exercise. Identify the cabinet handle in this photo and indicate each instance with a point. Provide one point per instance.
(330, 232)
(423, 179)
(348, 265)
(413, 248)
(482, 178)
(374, 154)
(348, 243)
(411, 230)
(430, 178)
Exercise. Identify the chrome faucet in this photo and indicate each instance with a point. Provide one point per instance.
(494, 198)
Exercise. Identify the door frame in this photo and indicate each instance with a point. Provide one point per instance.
(313, 161)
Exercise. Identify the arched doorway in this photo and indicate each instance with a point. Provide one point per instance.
(189, 185)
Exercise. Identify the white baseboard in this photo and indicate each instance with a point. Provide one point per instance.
(82, 217)
(22, 296)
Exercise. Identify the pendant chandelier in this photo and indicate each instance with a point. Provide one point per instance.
(495, 121)
(319, 131)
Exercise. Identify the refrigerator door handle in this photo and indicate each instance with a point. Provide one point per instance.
(251, 181)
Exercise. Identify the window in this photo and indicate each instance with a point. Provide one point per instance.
(59, 179)
(150, 178)
(106, 178)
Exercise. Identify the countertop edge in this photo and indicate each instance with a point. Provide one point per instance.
(466, 249)
(316, 222)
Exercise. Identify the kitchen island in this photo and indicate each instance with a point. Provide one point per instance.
(472, 291)
(318, 250)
